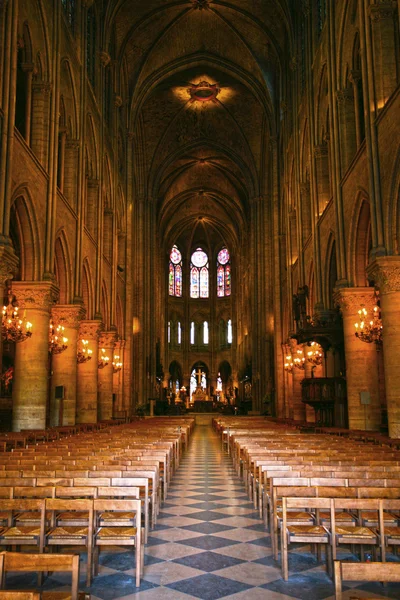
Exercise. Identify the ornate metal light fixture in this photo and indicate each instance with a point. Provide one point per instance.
(289, 363)
(13, 328)
(314, 355)
(84, 353)
(369, 328)
(117, 364)
(299, 360)
(57, 341)
(104, 359)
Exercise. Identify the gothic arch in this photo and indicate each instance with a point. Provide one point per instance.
(104, 306)
(330, 271)
(62, 267)
(68, 91)
(23, 222)
(87, 289)
(393, 209)
(359, 240)
(119, 317)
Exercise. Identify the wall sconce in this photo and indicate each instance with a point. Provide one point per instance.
(314, 355)
(85, 353)
(57, 342)
(299, 360)
(369, 329)
(14, 329)
(103, 361)
(117, 364)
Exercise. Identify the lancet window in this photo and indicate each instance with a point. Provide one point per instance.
(175, 272)
(223, 273)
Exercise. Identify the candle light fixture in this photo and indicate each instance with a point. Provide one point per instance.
(57, 341)
(103, 360)
(13, 328)
(84, 353)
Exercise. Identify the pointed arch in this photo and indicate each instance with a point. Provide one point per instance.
(104, 306)
(24, 231)
(330, 271)
(360, 240)
(119, 317)
(87, 289)
(62, 267)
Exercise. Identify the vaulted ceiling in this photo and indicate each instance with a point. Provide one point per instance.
(200, 158)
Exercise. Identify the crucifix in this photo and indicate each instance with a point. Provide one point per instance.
(199, 373)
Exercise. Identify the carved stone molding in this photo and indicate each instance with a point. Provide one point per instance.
(345, 96)
(105, 58)
(355, 76)
(90, 329)
(385, 272)
(350, 300)
(119, 345)
(305, 188)
(8, 263)
(42, 87)
(382, 10)
(117, 101)
(321, 151)
(107, 339)
(72, 144)
(93, 183)
(37, 295)
(69, 315)
(200, 4)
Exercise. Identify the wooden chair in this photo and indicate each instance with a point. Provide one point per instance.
(304, 533)
(116, 535)
(23, 535)
(355, 571)
(72, 535)
(23, 562)
(20, 595)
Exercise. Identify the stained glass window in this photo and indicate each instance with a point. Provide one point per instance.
(175, 273)
(179, 333)
(169, 332)
(69, 9)
(199, 275)
(205, 332)
(229, 336)
(192, 328)
(223, 273)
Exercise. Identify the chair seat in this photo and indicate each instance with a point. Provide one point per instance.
(372, 517)
(31, 517)
(117, 516)
(352, 532)
(340, 517)
(116, 532)
(68, 532)
(392, 532)
(23, 531)
(297, 516)
(73, 516)
(302, 530)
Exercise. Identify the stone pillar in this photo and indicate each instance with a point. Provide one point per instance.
(361, 360)
(383, 27)
(64, 365)
(30, 384)
(105, 378)
(118, 375)
(385, 271)
(355, 78)
(322, 171)
(92, 207)
(347, 120)
(86, 394)
(39, 129)
(298, 409)
(305, 211)
(70, 188)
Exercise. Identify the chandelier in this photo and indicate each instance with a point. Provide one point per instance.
(117, 365)
(85, 353)
(314, 355)
(57, 341)
(13, 328)
(299, 360)
(103, 361)
(288, 363)
(369, 327)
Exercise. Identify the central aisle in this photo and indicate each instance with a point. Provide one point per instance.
(209, 543)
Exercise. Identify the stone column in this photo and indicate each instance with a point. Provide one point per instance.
(64, 365)
(298, 408)
(105, 378)
(70, 188)
(347, 120)
(30, 384)
(86, 393)
(322, 171)
(361, 360)
(118, 375)
(40, 111)
(305, 211)
(92, 206)
(385, 271)
(383, 27)
(355, 77)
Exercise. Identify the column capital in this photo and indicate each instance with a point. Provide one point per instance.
(305, 187)
(345, 96)
(39, 295)
(90, 329)
(119, 344)
(42, 87)
(355, 76)
(321, 150)
(8, 262)
(107, 339)
(118, 100)
(385, 272)
(351, 299)
(69, 315)
(72, 144)
(105, 58)
(382, 10)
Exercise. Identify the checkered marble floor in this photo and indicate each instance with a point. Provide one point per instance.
(209, 543)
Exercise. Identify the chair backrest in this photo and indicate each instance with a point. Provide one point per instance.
(4, 595)
(118, 492)
(372, 571)
(18, 561)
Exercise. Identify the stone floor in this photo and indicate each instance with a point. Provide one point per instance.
(210, 544)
